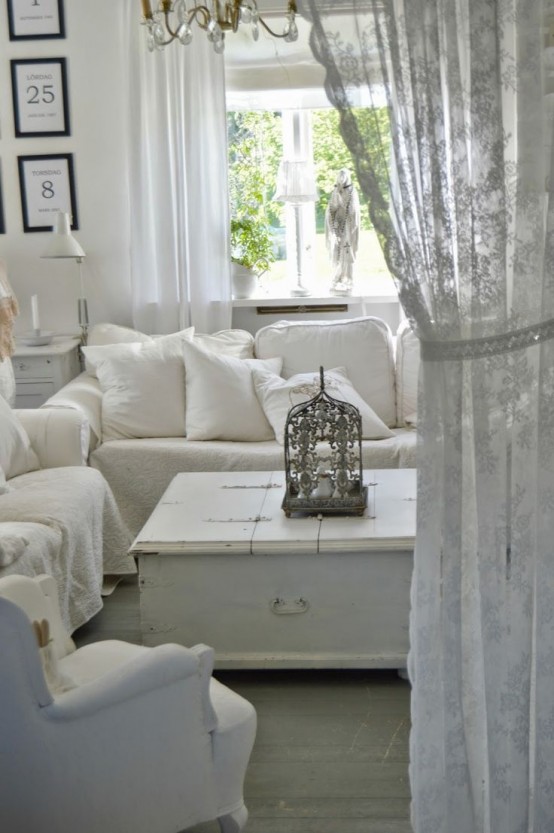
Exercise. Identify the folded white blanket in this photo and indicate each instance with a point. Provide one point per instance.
(77, 504)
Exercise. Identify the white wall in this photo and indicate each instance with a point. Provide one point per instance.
(95, 51)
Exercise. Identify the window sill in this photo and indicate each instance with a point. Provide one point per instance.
(266, 300)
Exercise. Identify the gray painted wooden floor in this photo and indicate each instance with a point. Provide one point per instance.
(331, 753)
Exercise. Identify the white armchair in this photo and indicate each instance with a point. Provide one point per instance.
(144, 741)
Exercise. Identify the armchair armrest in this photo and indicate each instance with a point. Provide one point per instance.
(157, 668)
(58, 437)
(82, 394)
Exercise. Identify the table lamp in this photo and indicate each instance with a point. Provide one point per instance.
(62, 245)
(296, 185)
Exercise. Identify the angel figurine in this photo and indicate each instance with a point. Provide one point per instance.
(342, 225)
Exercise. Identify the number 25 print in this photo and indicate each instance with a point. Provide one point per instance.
(39, 91)
(47, 186)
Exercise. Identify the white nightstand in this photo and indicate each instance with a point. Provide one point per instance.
(41, 371)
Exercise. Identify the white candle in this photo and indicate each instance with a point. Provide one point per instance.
(34, 308)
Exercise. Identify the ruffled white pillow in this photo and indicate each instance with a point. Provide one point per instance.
(277, 396)
(221, 403)
(12, 543)
(3, 485)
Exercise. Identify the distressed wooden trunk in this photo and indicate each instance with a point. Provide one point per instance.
(220, 563)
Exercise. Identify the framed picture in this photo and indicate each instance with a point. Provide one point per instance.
(39, 92)
(47, 185)
(34, 19)
(2, 222)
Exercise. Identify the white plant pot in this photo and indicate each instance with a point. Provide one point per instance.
(245, 281)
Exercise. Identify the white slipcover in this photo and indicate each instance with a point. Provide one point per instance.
(362, 345)
(145, 741)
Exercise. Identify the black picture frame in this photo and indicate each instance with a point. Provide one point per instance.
(40, 97)
(2, 221)
(47, 185)
(36, 19)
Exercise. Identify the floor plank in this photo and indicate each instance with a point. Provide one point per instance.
(331, 752)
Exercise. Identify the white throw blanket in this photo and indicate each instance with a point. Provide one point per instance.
(78, 505)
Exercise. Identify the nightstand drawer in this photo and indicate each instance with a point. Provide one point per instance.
(33, 394)
(41, 371)
(31, 367)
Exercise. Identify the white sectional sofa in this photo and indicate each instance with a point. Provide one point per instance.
(189, 402)
(57, 516)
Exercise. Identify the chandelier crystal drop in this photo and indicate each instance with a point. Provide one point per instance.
(167, 21)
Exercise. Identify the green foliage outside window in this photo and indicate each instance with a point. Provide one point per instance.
(331, 154)
(255, 150)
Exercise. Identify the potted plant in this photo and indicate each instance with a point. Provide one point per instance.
(251, 253)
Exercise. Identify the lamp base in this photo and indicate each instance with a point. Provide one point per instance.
(38, 338)
(300, 292)
(83, 319)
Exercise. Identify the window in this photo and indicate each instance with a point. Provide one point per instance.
(277, 108)
(258, 140)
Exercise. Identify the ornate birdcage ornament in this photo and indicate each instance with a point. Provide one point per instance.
(323, 457)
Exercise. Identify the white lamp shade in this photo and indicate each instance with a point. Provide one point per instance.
(62, 243)
(296, 181)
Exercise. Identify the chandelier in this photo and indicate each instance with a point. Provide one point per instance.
(170, 21)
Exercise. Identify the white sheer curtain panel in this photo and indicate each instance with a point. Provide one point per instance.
(180, 260)
(468, 233)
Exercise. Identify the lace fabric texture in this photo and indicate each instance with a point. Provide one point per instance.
(461, 197)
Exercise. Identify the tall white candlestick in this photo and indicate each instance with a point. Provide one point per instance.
(34, 309)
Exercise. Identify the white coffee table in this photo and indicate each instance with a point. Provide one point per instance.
(220, 563)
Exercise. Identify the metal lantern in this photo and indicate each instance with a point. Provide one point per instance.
(323, 457)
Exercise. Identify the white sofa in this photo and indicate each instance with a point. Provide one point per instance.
(57, 516)
(153, 415)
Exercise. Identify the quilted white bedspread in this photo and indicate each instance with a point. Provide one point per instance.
(85, 537)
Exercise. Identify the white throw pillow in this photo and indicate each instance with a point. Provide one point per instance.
(277, 396)
(221, 402)
(16, 454)
(143, 387)
(114, 334)
(238, 343)
(95, 353)
(3, 485)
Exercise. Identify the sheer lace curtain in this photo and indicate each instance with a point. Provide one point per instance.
(467, 227)
(180, 261)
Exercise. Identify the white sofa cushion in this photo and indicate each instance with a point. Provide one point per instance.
(143, 386)
(221, 402)
(277, 396)
(407, 370)
(361, 345)
(16, 454)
